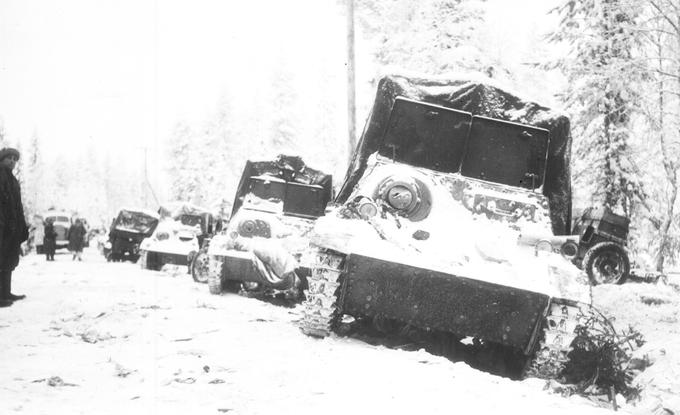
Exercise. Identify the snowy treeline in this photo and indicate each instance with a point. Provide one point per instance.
(86, 185)
(623, 97)
(612, 65)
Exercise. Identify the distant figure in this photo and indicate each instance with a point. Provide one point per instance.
(49, 239)
(13, 229)
(76, 240)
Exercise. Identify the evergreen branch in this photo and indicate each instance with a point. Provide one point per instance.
(656, 222)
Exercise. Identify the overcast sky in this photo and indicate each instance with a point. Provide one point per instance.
(125, 71)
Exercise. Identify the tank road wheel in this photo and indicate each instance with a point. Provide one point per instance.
(606, 263)
(215, 277)
(321, 312)
(200, 267)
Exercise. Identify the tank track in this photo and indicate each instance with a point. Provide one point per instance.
(321, 312)
(215, 280)
(559, 331)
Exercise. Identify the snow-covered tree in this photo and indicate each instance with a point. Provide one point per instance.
(183, 168)
(428, 36)
(31, 187)
(601, 96)
(661, 31)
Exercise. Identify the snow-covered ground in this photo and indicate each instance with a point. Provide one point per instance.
(97, 338)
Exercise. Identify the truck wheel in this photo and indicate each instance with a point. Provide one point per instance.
(200, 267)
(606, 263)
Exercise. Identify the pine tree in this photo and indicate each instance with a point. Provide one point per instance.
(32, 185)
(283, 104)
(2, 134)
(661, 31)
(428, 36)
(603, 82)
(185, 184)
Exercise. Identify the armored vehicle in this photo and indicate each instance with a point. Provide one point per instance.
(178, 237)
(446, 176)
(262, 248)
(128, 229)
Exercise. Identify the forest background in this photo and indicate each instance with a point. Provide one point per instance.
(612, 66)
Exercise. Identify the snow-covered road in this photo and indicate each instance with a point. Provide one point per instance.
(97, 338)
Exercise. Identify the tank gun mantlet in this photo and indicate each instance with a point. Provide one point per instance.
(250, 223)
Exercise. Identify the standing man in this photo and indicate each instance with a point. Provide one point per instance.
(13, 229)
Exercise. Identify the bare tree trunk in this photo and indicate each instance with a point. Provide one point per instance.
(670, 169)
(351, 81)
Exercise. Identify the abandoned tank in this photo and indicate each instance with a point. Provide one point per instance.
(446, 178)
(262, 249)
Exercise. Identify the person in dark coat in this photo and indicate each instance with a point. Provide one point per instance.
(49, 239)
(76, 240)
(13, 229)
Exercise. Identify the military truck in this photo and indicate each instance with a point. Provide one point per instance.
(603, 236)
(128, 229)
(262, 248)
(597, 245)
(446, 177)
(62, 223)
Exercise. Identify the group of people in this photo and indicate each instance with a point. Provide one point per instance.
(14, 230)
(76, 235)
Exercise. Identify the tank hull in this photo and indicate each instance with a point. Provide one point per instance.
(435, 300)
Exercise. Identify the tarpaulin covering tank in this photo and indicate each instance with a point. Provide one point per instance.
(177, 209)
(282, 168)
(481, 100)
(136, 221)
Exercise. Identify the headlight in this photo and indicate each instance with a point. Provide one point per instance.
(569, 250)
(365, 206)
(162, 236)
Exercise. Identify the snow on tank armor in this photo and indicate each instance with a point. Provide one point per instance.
(428, 221)
(263, 247)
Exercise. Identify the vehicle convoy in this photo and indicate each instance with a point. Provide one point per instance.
(446, 177)
(178, 236)
(62, 223)
(262, 248)
(128, 229)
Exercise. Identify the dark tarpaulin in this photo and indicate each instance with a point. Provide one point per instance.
(478, 99)
(277, 168)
